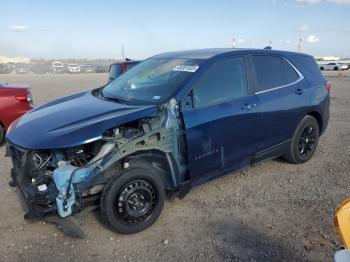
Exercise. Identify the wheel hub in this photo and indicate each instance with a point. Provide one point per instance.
(136, 201)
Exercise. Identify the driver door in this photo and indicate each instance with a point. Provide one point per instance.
(222, 121)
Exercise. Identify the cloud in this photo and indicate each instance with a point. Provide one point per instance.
(342, 2)
(241, 41)
(309, 2)
(312, 39)
(284, 41)
(304, 28)
(19, 28)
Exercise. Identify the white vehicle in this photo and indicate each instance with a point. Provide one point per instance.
(57, 68)
(73, 68)
(333, 67)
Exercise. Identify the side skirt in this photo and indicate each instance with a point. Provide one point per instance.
(264, 155)
(272, 152)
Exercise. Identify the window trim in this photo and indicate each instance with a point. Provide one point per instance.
(228, 99)
(301, 77)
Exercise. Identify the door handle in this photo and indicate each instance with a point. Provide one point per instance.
(299, 91)
(248, 107)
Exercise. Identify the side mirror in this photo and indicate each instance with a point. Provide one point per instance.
(115, 70)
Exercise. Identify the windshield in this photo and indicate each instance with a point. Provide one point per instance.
(153, 81)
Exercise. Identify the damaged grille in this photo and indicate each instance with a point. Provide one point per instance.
(39, 195)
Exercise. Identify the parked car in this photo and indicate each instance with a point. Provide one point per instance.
(175, 121)
(73, 68)
(101, 69)
(333, 67)
(118, 68)
(40, 68)
(5, 69)
(344, 66)
(57, 68)
(15, 100)
(87, 68)
(22, 69)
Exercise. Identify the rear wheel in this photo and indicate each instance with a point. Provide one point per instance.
(133, 201)
(321, 68)
(304, 141)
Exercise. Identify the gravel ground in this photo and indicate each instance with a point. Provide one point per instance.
(274, 211)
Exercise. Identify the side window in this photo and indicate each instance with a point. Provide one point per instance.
(308, 64)
(269, 72)
(225, 80)
(291, 74)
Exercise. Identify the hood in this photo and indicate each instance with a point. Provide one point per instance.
(72, 121)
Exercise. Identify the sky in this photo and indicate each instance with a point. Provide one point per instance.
(98, 29)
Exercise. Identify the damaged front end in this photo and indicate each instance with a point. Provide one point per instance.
(65, 181)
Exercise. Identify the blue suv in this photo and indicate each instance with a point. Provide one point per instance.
(173, 122)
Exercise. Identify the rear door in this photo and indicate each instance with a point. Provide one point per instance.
(282, 93)
(222, 121)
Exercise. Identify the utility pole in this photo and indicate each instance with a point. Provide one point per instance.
(123, 55)
(300, 44)
(234, 43)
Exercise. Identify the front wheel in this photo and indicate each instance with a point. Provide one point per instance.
(304, 141)
(133, 201)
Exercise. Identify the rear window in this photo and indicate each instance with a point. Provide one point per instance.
(273, 71)
(269, 72)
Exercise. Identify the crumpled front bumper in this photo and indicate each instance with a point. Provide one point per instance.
(38, 203)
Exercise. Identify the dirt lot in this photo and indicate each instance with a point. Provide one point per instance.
(273, 211)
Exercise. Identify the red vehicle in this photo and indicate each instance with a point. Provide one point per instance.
(15, 100)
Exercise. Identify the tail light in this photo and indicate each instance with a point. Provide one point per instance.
(328, 85)
(27, 98)
(21, 98)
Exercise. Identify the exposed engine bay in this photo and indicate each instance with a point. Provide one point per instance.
(64, 181)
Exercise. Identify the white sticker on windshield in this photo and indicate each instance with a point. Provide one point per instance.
(186, 68)
(156, 97)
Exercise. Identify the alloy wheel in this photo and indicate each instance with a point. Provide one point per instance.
(307, 140)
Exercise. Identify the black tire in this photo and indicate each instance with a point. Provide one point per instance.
(135, 187)
(321, 68)
(304, 141)
(336, 68)
(2, 134)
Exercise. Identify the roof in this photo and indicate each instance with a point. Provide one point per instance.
(211, 52)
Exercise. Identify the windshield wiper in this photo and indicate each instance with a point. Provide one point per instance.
(117, 99)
